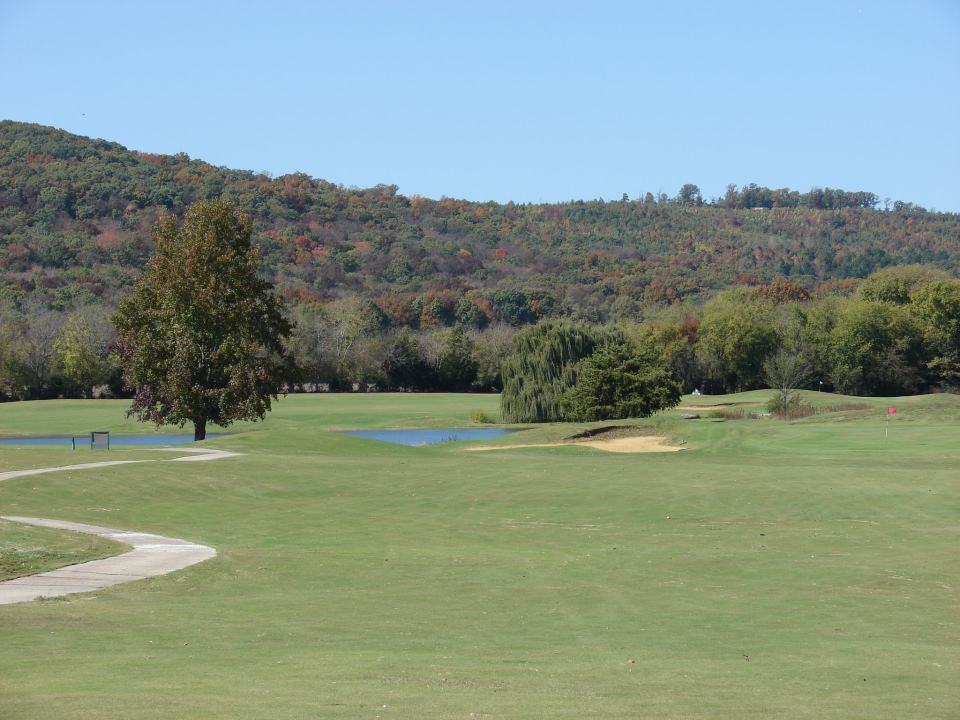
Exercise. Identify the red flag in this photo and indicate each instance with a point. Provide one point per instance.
(891, 411)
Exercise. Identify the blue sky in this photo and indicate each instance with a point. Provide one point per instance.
(510, 101)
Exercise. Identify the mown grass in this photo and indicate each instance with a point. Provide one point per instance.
(801, 569)
(26, 550)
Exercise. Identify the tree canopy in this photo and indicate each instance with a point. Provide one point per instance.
(76, 213)
(542, 367)
(201, 337)
(619, 381)
(718, 284)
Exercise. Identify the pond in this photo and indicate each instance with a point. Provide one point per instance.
(115, 440)
(429, 437)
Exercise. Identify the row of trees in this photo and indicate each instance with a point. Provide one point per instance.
(341, 354)
(753, 196)
(49, 354)
(898, 333)
(351, 342)
(44, 353)
(204, 339)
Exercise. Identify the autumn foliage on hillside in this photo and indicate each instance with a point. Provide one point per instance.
(76, 216)
(393, 292)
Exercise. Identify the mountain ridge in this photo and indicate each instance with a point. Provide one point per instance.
(76, 215)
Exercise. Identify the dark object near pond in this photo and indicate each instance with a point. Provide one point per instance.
(115, 440)
(429, 437)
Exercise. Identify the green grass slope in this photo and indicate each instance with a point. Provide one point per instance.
(26, 550)
(773, 569)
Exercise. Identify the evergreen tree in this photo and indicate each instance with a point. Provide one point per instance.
(616, 382)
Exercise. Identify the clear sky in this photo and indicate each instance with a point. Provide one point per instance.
(523, 101)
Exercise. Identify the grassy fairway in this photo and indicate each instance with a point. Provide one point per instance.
(26, 550)
(772, 570)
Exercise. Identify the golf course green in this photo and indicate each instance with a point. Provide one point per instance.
(772, 569)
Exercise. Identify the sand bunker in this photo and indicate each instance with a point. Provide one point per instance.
(632, 444)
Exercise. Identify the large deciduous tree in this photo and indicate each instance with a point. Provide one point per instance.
(785, 371)
(736, 333)
(937, 305)
(896, 284)
(202, 336)
(40, 350)
(877, 349)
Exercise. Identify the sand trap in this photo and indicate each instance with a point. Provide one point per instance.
(634, 444)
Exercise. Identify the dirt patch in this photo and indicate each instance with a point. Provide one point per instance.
(627, 444)
(718, 406)
(608, 431)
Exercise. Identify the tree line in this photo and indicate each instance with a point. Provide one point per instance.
(897, 332)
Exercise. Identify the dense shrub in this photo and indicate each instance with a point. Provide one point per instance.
(616, 382)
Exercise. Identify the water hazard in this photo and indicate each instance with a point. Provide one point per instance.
(429, 437)
(158, 439)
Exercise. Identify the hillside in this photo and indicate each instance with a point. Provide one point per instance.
(76, 215)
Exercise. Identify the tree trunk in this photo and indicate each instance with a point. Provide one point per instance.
(199, 429)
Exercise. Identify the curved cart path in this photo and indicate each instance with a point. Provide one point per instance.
(196, 454)
(152, 555)
(11, 474)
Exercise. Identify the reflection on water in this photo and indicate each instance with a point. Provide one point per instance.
(429, 437)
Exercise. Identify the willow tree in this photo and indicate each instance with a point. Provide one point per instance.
(202, 336)
(542, 367)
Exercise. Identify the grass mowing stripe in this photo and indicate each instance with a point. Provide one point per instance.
(798, 569)
(26, 550)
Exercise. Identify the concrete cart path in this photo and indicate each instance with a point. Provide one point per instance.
(9, 475)
(195, 455)
(199, 454)
(152, 555)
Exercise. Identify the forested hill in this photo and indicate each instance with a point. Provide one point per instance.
(76, 216)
